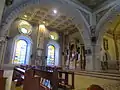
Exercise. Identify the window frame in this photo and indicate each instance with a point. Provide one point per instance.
(54, 54)
(14, 53)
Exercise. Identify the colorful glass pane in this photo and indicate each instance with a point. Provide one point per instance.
(20, 52)
(51, 55)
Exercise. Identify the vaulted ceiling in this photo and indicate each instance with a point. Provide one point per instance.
(92, 4)
(113, 27)
(43, 15)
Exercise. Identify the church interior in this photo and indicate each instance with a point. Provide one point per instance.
(60, 45)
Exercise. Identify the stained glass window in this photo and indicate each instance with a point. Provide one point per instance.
(20, 52)
(51, 55)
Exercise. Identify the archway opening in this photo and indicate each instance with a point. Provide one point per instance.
(111, 43)
(66, 24)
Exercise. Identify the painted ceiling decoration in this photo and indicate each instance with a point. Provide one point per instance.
(86, 16)
(44, 16)
(100, 14)
(92, 4)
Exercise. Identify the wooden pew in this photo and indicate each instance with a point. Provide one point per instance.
(61, 82)
(31, 82)
(33, 76)
(64, 81)
(52, 76)
(18, 76)
(2, 80)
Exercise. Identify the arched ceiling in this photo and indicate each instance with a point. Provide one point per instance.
(93, 4)
(113, 27)
(74, 20)
(44, 15)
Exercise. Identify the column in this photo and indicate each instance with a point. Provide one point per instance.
(93, 57)
(2, 51)
(116, 50)
(89, 58)
(42, 34)
(97, 58)
(93, 52)
(39, 50)
(66, 49)
(2, 4)
(63, 50)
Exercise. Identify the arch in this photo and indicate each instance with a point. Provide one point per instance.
(57, 51)
(100, 28)
(22, 45)
(67, 8)
(28, 42)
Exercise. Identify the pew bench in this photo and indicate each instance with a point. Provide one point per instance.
(2, 80)
(39, 78)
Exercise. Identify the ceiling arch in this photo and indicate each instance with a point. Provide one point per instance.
(107, 18)
(64, 7)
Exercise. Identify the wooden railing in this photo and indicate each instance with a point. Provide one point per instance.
(64, 81)
(42, 78)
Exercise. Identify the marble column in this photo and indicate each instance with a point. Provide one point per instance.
(93, 58)
(40, 49)
(42, 34)
(97, 57)
(2, 51)
(93, 52)
(89, 58)
(2, 4)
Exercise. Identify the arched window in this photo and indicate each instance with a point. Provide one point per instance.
(20, 52)
(51, 55)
